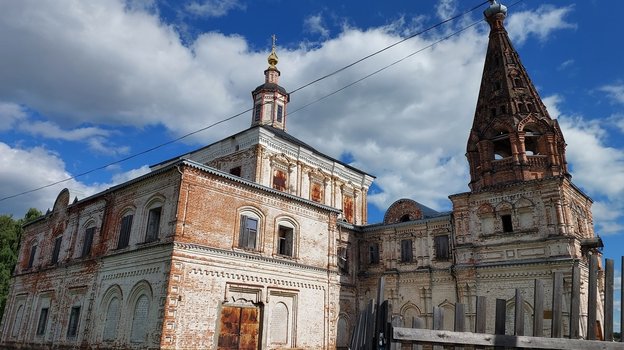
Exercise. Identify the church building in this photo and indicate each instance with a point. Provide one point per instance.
(260, 241)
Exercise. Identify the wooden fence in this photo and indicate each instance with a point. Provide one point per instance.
(375, 331)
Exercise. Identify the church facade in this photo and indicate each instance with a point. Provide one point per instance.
(261, 241)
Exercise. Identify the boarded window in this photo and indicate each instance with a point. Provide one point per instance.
(342, 333)
(506, 221)
(138, 333)
(442, 247)
(248, 232)
(285, 240)
(74, 317)
(43, 321)
(280, 113)
(316, 192)
(57, 249)
(33, 253)
(279, 324)
(373, 253)
(343, 260)
(153, 224)
(348, 208)
(279, 180)
(257, 112)
(124, 231)
(88, 241)
(112, 317)
(17, 324)
(406, 250)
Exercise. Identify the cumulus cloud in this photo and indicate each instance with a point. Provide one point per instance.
(213, 8)
(315, 24)
(615, 92)
(10, 113)
(446, 8)
(540, 23)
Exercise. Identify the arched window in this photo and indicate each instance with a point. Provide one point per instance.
(154, 213)
(279, 324)
(342, 333)
(502, 146)
(87, 242)
(138, 333)
(111, 321)
(17, 324)
(249, 229)
(125, 227)
(286, 238)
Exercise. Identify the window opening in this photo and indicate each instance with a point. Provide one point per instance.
(153, 224)
(280, 113)
(373, 256)
(406, 250)
(507, 224)
(405, 218)
(43, 321)
(441, 244)
(88, 241)
(74, 316)
(248, 232)
(285, 241)
(236, 171)
(257, 112)
(31, 259)
(57, 249)
(124, 232)
(279, 180)
(343, 260)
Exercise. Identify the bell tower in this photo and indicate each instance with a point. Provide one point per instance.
(270, 99)
(513, 138)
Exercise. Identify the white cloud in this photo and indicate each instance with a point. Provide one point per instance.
(10, 113)
(446, 8)
(315, 24)
(565, 64)
(614, 92)
(213, 8)
(541, 23)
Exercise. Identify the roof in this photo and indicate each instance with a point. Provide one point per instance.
(271, 87)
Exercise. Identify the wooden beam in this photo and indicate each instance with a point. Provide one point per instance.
(518, 313)
(425, 336)
(592, 297)
(557, 296)
(538, 309)
(481, 315)
(608, 301)
(575, 302)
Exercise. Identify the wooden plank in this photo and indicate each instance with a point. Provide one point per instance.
(557, 296)
(481, 315)
(501, 316)
(518, 313)
(538, 309)
(608, 301)
(426, 336)
(592, 297)
(438, 322)
(575, 303)
(460, 318)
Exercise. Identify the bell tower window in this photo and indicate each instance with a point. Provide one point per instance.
(280, 113)
(257, 112)
(507, 224)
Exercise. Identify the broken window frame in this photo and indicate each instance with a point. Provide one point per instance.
(88, 241)
(57, 250)
(285, 240)
(43, 321)
(125, 228)
(407, 254)
(373, 254)
(442, 247)
(72, 324)
(248, 236)
(152, 230)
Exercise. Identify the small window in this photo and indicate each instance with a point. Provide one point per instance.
(43, 321)
(373, 253)
(236, 171)
(441, 247)
(279, 179)
(280, 113)
(88, 241)
(285, 241)
(153, 224)
(248, 232)
(124, 231)
(507, 224)
(518, 82)
(33, 253)
(257, 112)
(406, 250)
(343, 260)
(57, 249)
(74, 316)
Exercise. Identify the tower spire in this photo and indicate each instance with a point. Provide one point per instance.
(270, 99)
(513, 138)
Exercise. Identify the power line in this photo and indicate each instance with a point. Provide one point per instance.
(292, 92)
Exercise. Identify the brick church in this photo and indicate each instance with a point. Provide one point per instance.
(259, 241)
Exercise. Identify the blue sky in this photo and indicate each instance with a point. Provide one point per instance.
(84, 84)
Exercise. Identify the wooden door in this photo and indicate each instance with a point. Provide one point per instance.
(239, 328)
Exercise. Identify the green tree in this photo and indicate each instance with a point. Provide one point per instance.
(10, 233)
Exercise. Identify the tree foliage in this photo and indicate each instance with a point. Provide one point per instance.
(10, 233)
